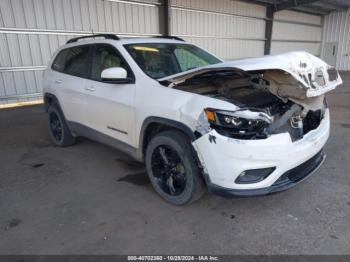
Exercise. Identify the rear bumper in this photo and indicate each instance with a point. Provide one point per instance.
(286, 181)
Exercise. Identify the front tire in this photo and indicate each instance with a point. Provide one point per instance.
(172, 167)
(58, 128)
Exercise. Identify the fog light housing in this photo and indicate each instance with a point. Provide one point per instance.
(254, 175)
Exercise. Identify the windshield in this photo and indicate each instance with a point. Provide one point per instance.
(159, 60)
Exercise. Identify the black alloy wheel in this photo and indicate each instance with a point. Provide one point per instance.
(58, 129)
(55, 126)
(173, 168)
(168, 170)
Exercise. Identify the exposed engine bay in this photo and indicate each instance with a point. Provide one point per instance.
(261, 112)
(273, 94)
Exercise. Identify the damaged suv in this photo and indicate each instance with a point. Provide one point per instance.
(241, 128)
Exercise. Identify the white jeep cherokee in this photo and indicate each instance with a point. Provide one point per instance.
(241, 128)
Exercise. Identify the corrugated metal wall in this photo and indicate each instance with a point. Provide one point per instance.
(337, 30)
(230, 29)
(233, 29)
(296, 31)
(31, 30)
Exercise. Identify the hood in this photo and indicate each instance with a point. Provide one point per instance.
(295, 74)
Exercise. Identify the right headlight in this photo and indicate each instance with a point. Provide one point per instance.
(242, 124)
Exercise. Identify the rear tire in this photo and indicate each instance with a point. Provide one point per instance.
(58, 129)
(173, 169)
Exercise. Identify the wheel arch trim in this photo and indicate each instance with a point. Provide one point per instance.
(49, 96)
(54, 98)
(166, 122)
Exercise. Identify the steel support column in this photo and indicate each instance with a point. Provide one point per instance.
(164, 18)
(268, 29)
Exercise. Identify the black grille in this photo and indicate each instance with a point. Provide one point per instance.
(300, 172)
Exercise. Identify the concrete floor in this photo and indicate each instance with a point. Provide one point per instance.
(91, 199)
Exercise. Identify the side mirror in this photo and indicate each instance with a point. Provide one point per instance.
(116, 75)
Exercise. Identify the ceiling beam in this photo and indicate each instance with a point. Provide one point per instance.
(314, 7)
(291, 4)
(258, 2)
(311, 10)
(328, 6)
(342, 3)
(267, 2)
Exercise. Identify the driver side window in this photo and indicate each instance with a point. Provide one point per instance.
(104, 57)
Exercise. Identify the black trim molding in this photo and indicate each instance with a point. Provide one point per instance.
(172, 123)
(85, 131)
(117, 130)
(166, 122)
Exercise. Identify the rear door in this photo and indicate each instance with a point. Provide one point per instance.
(72, 67)
(110, 106)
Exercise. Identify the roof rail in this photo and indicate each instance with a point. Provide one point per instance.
(106, 36)
(170, 37)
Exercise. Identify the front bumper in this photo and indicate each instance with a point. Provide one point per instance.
(286, 181)
(224, 159)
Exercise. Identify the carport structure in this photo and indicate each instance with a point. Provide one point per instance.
(313, 7)
(31, 30)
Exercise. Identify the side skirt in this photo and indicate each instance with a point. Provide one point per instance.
(84, 131)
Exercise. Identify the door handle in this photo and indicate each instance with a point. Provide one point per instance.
(90, 88)
(58, 81)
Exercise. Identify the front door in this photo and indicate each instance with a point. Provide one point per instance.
(111, 106)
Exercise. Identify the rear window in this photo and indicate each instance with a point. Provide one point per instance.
(58, 64)
(73, 61)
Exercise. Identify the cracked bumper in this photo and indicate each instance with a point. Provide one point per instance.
(224, 159)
